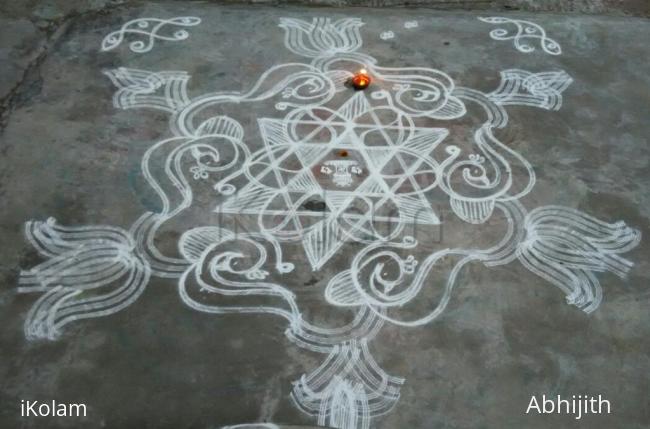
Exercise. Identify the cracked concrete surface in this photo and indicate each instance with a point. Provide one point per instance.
(66, 152)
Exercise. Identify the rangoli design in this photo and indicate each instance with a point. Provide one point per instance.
(324, 168)
(525, 32)
(150, 29)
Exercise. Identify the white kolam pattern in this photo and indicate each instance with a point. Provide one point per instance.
(148, 30)
(393, 162)
(522, 33)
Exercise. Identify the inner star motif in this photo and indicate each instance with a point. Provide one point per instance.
(328, 176)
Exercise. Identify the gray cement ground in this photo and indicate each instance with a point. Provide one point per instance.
(66, 152)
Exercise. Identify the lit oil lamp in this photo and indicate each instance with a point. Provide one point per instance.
(360, 80)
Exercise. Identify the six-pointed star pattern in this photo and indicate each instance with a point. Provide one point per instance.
(394, 170)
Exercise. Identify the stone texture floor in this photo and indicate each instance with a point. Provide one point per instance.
(66, 152)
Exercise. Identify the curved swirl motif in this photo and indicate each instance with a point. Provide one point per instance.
(150, 29)
(226, 273)
(172, 185)
(420, 91)
(221, 280)
(474, 201)
(307, 88)
(296, 84)
(383, 279)
(526, 30)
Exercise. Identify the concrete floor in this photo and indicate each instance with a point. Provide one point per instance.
(507, 334)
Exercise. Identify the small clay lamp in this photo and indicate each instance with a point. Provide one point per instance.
(360, 80)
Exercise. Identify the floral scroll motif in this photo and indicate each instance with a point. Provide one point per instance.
(526, 31)
(150, 29)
